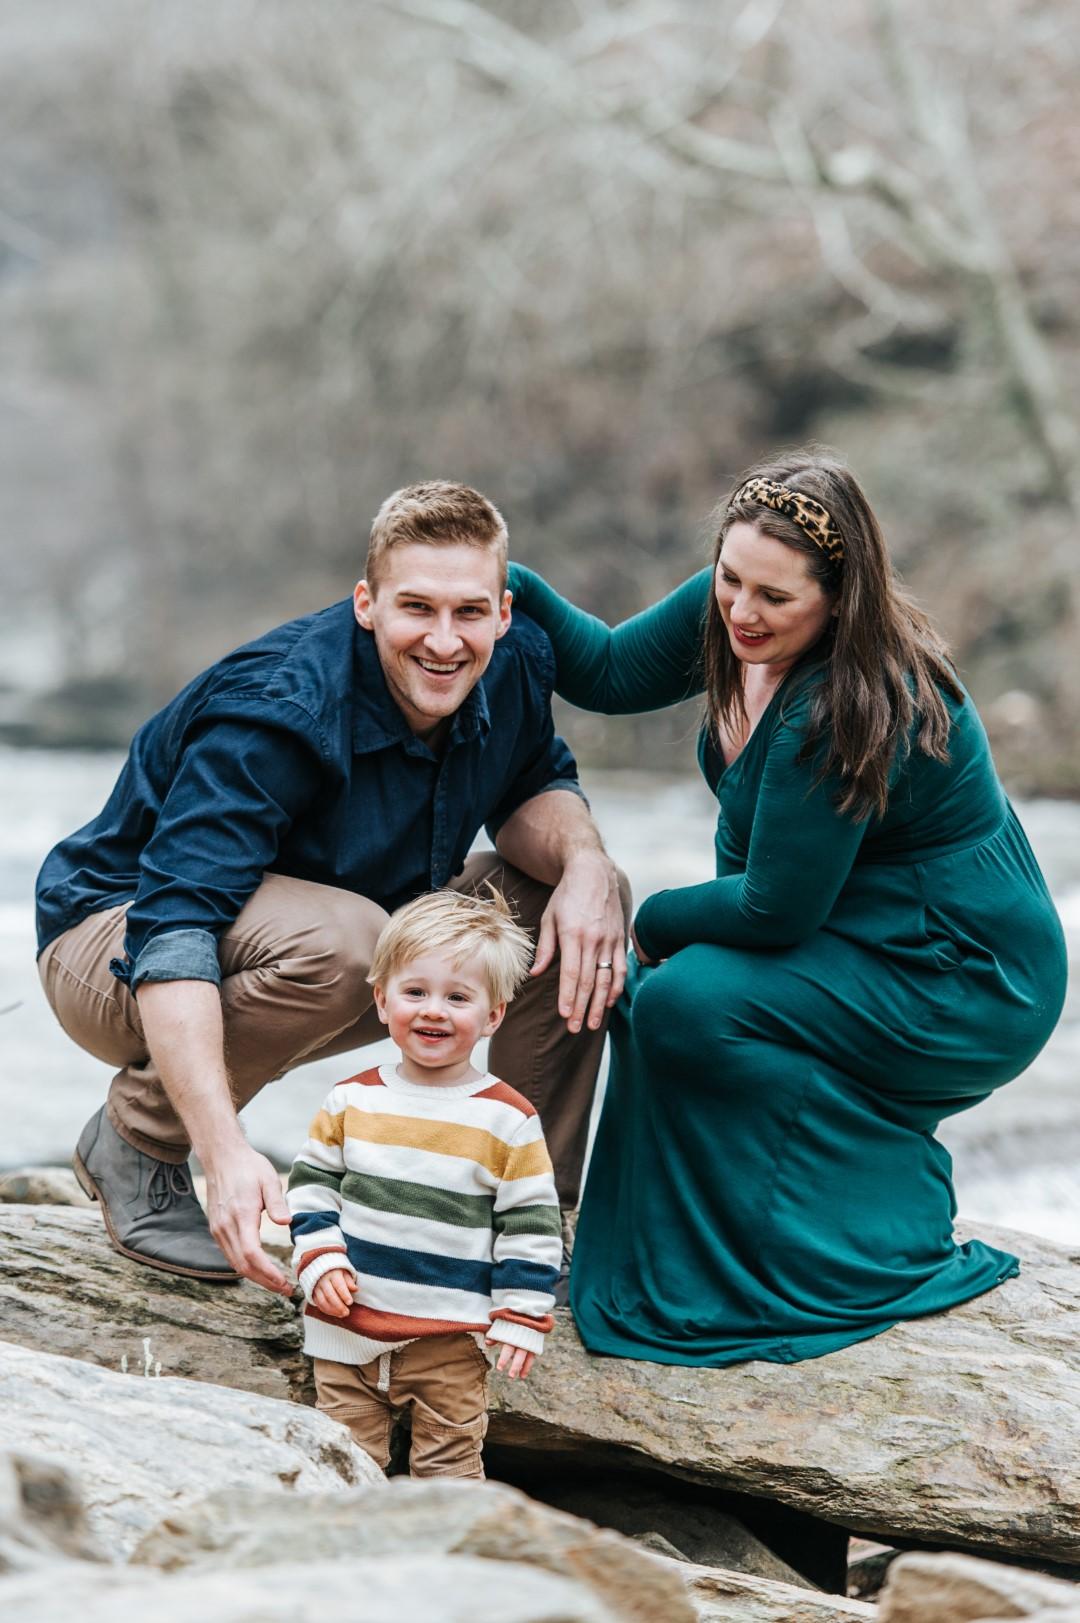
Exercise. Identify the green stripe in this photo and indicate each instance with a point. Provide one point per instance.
(304, 1173)
(418, 1200)
(529, 1220)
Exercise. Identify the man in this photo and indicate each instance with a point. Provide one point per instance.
(214, 925)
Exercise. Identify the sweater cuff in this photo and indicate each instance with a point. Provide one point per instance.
(649, 916)
(516, 1335)
(324, 1263)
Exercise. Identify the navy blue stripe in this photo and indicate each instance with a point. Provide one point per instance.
(419, 1267)
(515, 1275)
(312, 1222)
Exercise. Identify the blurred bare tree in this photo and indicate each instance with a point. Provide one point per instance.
(261, 262)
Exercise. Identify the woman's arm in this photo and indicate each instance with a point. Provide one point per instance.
(801, 853)
(648, 662)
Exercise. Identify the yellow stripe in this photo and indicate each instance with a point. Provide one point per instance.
(328, 1129)
(527, 1160)
(444, 1137)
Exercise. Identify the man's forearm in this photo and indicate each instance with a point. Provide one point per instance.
(185, 1035)
(546, 833)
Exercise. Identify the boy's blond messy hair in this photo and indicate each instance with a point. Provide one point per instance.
(476, 930)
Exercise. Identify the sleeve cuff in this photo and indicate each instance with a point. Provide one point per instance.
(643, 919)
(516, 1335)
(309, 1277)
(570, 784)
(177, 955)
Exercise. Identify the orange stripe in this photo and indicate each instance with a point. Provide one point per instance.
(323, 1251)
(366, 1079)
(506, 1095)
(542, 1322)
(368, 1321)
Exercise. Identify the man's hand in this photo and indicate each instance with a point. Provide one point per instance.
(241, 1184)
(333, 1293)
(514, 1362)
(584, 923)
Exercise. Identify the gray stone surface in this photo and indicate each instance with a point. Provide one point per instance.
(962, 1429)
(951, 1588)
(248, 1529)
(695, 1531)
(42, 1516)
(380, 1589)
(67, 1291)
(42, 1186)
(738, 1597)
(141, 1448)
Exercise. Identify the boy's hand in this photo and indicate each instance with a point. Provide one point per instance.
(515, 1362)
(333, 1293)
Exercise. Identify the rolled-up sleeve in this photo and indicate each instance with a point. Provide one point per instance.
(240, 785)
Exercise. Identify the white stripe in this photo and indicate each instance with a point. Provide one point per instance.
(504, 1121)
(423, 1301)
(539, 1190)
(418, 1233)
(327, 1157)
(432, 1168)
(533, 1304)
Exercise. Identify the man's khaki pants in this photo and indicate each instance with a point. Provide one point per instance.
(294, 988)
(440, 1380)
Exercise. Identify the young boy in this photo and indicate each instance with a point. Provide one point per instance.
(424, 1206)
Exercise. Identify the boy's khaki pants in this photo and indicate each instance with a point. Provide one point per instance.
(294, 988)
(441, 1380)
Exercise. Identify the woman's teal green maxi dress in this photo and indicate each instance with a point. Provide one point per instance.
(765, 1181)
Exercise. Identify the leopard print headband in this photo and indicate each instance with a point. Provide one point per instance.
(816, 521)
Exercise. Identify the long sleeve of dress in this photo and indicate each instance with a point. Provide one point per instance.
(800, 854)
(650, 661)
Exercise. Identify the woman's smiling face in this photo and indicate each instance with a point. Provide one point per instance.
(772, 607)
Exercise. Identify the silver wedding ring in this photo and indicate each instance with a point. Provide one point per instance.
(607, 964)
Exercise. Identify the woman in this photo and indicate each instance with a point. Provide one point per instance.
(877, 951)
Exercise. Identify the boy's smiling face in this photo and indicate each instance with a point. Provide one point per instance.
(436, 1013)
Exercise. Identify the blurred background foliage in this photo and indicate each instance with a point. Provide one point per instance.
(261, 263)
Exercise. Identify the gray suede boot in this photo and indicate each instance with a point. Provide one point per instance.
(149, 1206)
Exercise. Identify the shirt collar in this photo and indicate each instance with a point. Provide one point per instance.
(379, 723)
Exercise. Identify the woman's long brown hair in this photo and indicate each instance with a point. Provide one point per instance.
(885, 665)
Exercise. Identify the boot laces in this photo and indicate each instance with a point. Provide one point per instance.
(168, 1183)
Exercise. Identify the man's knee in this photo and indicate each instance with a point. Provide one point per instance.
(313, 934)
(528, 896)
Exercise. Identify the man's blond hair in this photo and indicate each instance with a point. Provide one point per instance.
(478, 932)
(436, 513)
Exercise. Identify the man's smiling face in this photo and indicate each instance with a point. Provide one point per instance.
(436, 613)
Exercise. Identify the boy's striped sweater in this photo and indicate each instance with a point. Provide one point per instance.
(441, 1200)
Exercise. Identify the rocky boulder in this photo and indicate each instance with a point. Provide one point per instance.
(42, 1186)
(67, 1291)
(42, 1516)
(381, 1589)
(409, 1520)
(962, 1429)
(142, 1448)
(953, 1588)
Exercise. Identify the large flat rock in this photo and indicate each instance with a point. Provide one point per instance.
(410, 1519)
(962, 1429)
(380, 1589)
(951, 1588)
(141, 1448)
(67, 1291)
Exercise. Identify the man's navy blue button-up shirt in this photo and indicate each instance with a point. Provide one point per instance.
(289, 755)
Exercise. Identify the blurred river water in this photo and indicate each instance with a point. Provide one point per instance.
(1016, 1157)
